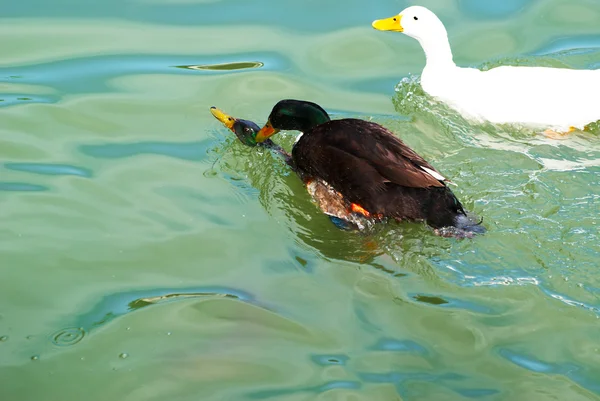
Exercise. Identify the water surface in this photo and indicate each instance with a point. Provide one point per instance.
(146, 255)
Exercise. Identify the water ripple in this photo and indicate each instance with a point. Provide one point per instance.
(89, 74)
(194, 151)
(452, 303)
(11, 99)
(572, 302)
(583, 43)
(22, 186)
(325, 360)
(336, 384)
(399, 377)
(390, 344)
(68, 337)
(476, 392)
(225, 66)
(572, 371)
(481, 279)
(50, 169)
(121, 303)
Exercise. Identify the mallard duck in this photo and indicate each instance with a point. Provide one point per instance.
(358, 170)
(559, 100)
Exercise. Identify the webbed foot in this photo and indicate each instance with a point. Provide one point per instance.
(343, 224)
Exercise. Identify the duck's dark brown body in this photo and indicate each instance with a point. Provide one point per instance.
(372, 168)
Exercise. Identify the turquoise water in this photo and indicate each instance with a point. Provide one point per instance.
(145, 254)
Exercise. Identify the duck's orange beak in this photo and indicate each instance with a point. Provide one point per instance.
(265, 132)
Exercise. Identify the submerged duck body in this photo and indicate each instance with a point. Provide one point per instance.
(560, 99)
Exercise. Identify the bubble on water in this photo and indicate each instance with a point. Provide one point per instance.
(69, 336)
(123, 355)
(168, 333)
(3, 338)
(35, 358)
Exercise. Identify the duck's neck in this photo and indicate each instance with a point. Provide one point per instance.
(438, 53)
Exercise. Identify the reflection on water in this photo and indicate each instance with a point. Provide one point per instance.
(224, 66)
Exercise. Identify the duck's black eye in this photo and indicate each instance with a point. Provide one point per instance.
(415, 18)
(394, 19)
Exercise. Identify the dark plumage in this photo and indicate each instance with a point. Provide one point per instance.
(355, 168)
(371, 167)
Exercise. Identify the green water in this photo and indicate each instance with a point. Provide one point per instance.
(147, 255)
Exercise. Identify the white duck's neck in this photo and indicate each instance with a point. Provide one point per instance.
(438, 53)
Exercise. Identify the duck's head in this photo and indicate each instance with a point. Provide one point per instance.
(416, 21)
(292, 114)
(245, 130)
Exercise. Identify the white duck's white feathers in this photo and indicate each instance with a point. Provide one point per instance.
(534, 96)
(540, 97)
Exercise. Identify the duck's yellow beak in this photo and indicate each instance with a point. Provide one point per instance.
(224, 118)
(389, 24)
(265, 132)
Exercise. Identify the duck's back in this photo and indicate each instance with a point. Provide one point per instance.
(371, 152)
(536, 96)
(371, 167)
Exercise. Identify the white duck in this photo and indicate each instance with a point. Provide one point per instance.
(559, 100)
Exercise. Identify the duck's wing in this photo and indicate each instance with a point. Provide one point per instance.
(367, 153)
(342, 170)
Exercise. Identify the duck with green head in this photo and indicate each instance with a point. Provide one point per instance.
(374, 174)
